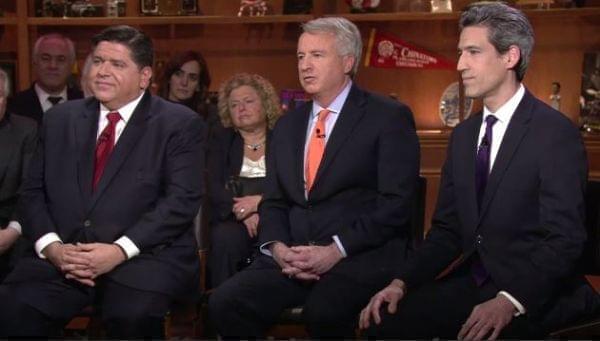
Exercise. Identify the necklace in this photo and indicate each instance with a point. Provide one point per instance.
(255, 146)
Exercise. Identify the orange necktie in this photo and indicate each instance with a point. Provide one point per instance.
(316, 148)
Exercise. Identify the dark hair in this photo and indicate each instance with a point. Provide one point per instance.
(507, 26)
(142, 51)
(198, 102)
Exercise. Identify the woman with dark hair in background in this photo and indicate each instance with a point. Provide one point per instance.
(185, 79)
(248, 108)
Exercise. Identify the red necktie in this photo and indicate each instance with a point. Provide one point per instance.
(316, 148)
(104, 146)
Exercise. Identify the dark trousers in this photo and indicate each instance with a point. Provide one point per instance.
(126, 312)
(252, 300)
(230, 245)
(438, 310)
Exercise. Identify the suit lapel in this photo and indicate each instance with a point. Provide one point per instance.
(299, 136)
(85, 129)
(352, 112)
(465, 165)
(517, 127)
(125, 144)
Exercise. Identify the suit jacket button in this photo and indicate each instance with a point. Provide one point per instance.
(87, 223)
(478, 239)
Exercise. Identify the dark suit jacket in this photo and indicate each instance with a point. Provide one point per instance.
(225, 156)
(26, 103)
(530, 230)
(150, 191)
(363, 188)
(17, 143)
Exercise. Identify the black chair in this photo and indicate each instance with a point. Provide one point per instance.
(290, 323)
(589, 265)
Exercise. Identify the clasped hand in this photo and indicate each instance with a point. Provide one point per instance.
(84, 262)
(306, 262)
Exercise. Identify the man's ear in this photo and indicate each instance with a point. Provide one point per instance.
(512, 56)
(146, 76)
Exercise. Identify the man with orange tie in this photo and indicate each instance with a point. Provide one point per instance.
(334, 218)
(109, 202)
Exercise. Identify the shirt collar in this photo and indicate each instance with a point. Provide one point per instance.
(505, 112)
(43, 95)
(336, 106)
(125, 111)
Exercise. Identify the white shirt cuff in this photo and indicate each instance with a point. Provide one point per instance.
(264, 248)
(128, 246)
(44, 241)
(337, 241)
(520, 309)
(13, 224)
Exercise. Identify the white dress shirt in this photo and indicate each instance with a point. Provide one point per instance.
(124, 242)
(503, 114)
(43, 97)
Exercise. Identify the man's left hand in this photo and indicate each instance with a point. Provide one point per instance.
(316, 259)
(488, 317)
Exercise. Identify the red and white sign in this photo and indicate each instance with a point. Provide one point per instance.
(387, 51)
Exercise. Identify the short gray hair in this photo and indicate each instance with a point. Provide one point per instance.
(347, 36)
(6, 79)
(506, 26)
(67, 41)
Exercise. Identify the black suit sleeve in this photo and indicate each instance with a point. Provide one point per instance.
(182, 183)
(397, 158)
(563, 175)
(274, 208)
(443, 242)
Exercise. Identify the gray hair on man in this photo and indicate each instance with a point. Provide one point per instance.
(507, 26)
(347, 36)
(69, 42)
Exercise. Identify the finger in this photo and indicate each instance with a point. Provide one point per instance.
(301, 248)
(307, 276)
(393, 303)
(375, 308)
(290, 270)
(88, 246)
(363, 322)
(80, 274)
(73, 267)
(484, 330)
(495, 332)
(474, 330)
(75, 258)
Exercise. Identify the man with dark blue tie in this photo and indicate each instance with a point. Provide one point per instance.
(510, 206)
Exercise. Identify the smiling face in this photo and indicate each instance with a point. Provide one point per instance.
(52, 65)
(245, 108)
(322, 71)
(184, 82)
(486, 73)
(115, 79)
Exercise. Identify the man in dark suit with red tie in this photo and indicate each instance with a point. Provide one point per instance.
(52, 59)
(511, 205)
(109, 201)
(341, 173)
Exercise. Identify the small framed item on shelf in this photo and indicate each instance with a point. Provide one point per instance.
(168, 7)
(297, 6)
(363, 6)
(441, 6)
(253, 8)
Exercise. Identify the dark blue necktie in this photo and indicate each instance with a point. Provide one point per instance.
(482, 169)
(482, 162)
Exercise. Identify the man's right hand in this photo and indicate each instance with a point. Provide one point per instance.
(284, 256)
(63, 256)
(392, 294)
(8, 237)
